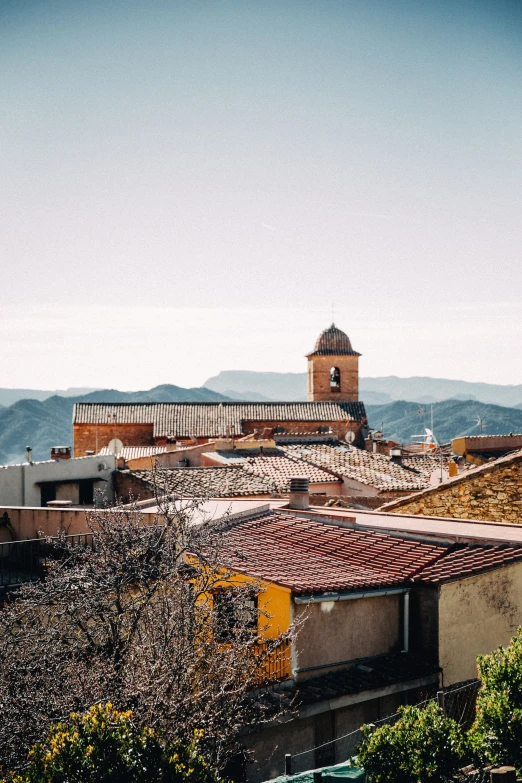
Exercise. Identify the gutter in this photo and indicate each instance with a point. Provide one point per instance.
(323, 597)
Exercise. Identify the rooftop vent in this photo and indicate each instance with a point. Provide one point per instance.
(299, 494)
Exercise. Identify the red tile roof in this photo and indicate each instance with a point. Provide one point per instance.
(468, 560)
(313, 556)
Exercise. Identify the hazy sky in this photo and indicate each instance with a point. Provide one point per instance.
(187, 187)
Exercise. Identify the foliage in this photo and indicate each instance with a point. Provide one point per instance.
(104, 746)
(131, 621)
(497, 732)
(423, 745)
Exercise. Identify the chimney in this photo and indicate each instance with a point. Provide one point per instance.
(396, 456)
(29, 452)
(61, 452)
(299, 495)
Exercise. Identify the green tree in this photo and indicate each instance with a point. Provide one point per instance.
(104, 746)
(497, 732)
(423, 745)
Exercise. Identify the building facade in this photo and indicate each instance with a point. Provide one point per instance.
(333, 368)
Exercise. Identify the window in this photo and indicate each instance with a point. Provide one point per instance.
(335, 379)
(47, 493)
(86, 492)
(235, 612)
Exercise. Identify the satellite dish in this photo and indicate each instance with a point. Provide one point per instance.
(349, 437)
(115, 446)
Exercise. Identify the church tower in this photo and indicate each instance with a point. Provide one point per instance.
(333, 368)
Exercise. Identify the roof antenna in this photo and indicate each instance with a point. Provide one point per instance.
(333, 314)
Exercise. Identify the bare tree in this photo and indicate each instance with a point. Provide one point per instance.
(150, 618)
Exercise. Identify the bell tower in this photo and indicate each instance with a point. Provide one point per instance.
(333, 368)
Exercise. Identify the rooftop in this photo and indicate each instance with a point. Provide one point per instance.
(366, 467)
(206, 482)
(276, 465)
(333, 342)
(312, 556)
(309, 554)
(212, 419)
(135, 452)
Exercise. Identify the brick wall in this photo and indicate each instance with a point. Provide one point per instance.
(94, 437)
(319, 378)
(492, 493)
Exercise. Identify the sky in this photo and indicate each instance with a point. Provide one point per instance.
(188, 187)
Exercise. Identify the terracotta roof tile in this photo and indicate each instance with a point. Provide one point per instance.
(469, 559)
(207, 482)
(212, 419)
(134, 452)
(372, 469)
(311, 556)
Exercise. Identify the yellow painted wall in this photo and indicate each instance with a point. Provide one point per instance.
(475, 616)
(274, 601)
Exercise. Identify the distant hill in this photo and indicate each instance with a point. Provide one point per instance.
(373, 391)
(10, 396)
(402, 420)
(280, 386)
(45, 423)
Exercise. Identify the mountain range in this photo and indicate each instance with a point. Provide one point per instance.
(42, 423)
(247, 385)
(45, 423)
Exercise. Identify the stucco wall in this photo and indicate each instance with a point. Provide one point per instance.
(342, 630)
(20, 484)
(475, 616)
(493, 493)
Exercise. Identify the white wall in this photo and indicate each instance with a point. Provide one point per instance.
(19, 484)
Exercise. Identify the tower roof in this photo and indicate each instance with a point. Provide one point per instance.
(333, 342)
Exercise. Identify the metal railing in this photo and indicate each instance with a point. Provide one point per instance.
(26, 561)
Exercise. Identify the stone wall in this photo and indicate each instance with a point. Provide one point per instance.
(491, 493)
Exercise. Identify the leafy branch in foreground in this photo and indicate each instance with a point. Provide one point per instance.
(105, 746)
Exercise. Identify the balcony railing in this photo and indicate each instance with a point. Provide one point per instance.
(274, 664)
(26, 561)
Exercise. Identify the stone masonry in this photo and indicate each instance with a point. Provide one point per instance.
(492, 492)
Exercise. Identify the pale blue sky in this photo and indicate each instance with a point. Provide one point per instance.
(203, 179)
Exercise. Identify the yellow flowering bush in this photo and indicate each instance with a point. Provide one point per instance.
(104, 746)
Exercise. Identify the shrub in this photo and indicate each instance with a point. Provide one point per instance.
(423, 745)
(497, 732)
(104, 746)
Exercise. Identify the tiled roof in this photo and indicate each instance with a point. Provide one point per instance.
(468, 560)
(134, 452)
(312, 556)
(276, 465)
(425, 464)
(333, 342)
(282, 469)
(207, 482)
(371, 469)
(212, 419)
(368, 675)
(308, 555)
